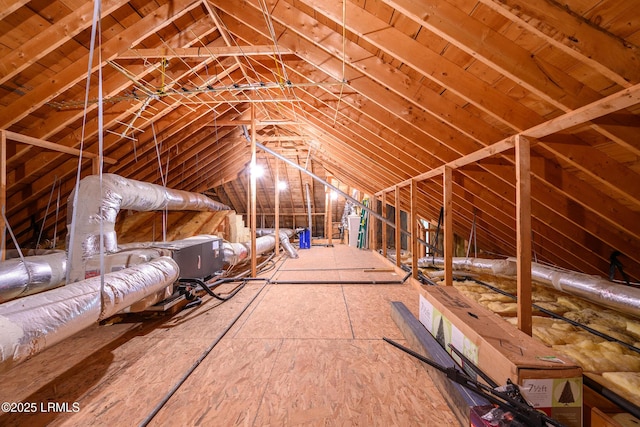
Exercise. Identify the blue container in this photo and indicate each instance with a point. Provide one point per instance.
(305, 239)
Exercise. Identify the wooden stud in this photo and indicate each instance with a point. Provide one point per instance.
(3, 192)
(398, 228)
(373, 241)
(277, 207)
(447, 190)
(414, 229)
(384, 225)
(254, 262)
(523, 230)
(329, 217)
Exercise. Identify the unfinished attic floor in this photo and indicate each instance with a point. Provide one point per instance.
(280, 354)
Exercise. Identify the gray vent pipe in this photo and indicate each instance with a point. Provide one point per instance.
(31, 324)
(592, 288)
(98, 207)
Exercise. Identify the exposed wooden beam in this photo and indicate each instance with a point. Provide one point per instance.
(24, 139)
(618, 101)
(431, 64)
(398, 228)
(276, 198)
(523, 233)
(201, 52)
(493, 49)
(608, 105)
(49, 39)
(284, 138)
(3, 193)
(7, 7)
(414, 228)
(384, 224)
(259, 123)
(447, 190)
(254, 256)
(594, 46)
(71, 74)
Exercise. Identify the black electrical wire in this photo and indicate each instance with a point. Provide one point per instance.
(184, 378)
(424, 279)
(337, 282)
(209, 349)
(615, 398)
(341, 282)
(220, 297)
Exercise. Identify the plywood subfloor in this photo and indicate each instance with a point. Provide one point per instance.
(298, 355)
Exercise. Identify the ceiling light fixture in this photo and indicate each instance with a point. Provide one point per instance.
(256, 170)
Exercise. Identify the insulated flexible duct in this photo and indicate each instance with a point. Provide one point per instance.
(285, 234)
(99, 204)
(235, 253)
(31, 324)
(36, 274)
(593, 288)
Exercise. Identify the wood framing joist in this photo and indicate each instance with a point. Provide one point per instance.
(201, 52)
(24, 139)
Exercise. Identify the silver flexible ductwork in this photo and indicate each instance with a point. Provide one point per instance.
(36, 274)
(99, 204)
(593, 288)
(31, 324)
(285, 234)
(235, 253)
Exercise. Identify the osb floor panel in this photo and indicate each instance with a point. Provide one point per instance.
(299, 355)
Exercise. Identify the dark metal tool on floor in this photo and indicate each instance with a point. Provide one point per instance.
(509, 400)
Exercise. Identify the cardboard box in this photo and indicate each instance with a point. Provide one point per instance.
(551, 382)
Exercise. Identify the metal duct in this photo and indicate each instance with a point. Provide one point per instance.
(31, 324)
(495, 266)
(285, 234)
(99, 205)
(36, 274)
(593, 288)
(235, 253)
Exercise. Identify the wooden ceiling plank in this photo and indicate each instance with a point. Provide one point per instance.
(74, 73)
(494, 50)
(91, 128)
(430, 64)
(51, 38)
(604, 52)
(439, 108)
(7, 7)
(45, 128)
